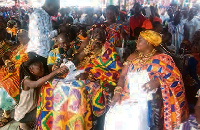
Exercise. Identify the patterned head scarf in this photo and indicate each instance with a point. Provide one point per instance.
(151, 37)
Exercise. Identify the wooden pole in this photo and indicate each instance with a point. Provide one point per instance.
(111, 2)
(125, 4)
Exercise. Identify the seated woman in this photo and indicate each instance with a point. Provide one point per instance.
(150, 92)
(103, 67)
(31, 78)
(74, 104)
(9, 76)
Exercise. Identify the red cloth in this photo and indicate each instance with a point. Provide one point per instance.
(157, 19)
(148, 25)
(135, 22)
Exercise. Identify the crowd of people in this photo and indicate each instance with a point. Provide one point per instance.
(94, 69)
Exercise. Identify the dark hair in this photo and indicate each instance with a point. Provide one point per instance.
(24, 69)
(113, 8)
(101, 30)
(71, 33)
(156, 23)
(2, 34)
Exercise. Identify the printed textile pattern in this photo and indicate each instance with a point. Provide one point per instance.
(162, 67)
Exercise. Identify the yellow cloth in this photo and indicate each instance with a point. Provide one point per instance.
(152, 37)
(12, 31)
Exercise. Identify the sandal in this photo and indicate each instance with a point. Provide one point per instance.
(4, 121)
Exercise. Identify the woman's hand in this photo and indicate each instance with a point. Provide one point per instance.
(55, 67)
(116, 98)
(82, 76)
(151, 85)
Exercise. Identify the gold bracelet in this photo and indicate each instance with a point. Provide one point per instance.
(7, 61)
(118, 88)
(115, 92)
(88, 48)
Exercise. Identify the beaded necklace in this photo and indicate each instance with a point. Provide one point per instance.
(141, 59)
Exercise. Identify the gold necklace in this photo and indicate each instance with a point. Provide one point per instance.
(141, 59)
(87, 59)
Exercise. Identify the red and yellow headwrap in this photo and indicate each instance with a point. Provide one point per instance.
(151, 37)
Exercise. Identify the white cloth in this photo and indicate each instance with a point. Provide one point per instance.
(193, 25)
(40, 33)
(131, 114)
(28, 102)
(164, 17)
(177, 33)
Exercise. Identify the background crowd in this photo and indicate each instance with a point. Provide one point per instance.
(81, 68)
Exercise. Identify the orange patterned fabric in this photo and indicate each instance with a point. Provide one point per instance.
(163, 68)
(10, 81)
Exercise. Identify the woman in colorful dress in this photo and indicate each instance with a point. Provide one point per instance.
(150, 92)
(103, 69)
(72, 104)
(9, 76)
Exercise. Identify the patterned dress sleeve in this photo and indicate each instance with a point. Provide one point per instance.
(175, 106)
(107, 67)
(51, 58)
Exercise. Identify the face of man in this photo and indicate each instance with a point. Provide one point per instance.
(53, 7)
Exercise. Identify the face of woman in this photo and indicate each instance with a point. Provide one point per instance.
(142, 44)
(62, 43)
(110, 15)
(99, 36)
(37, 69)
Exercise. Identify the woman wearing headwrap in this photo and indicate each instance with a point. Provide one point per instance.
(149, 93)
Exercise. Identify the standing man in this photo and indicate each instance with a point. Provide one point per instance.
(41, 31)
(137, 19)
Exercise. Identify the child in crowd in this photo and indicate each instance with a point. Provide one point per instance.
(31, 77)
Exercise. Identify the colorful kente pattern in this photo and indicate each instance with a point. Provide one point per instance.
(10, 81)
(163, 68)
(62, 106)
(4, 47)
(105, 68)
(113, 33)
